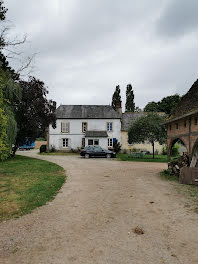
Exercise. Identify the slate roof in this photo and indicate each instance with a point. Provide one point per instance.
(129, 118)
(96, 134)
(86, 112)
(188, 103)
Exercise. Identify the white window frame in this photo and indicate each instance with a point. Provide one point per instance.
(65, 142)
(65, 127)
(109, 126)
(110, 142)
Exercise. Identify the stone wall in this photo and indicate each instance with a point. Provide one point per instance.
(39, 143)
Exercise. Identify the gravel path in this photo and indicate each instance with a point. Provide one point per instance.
(91, 220)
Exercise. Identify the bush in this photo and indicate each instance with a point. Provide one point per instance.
(43, 148)
(116, 146)
(156, 152)
(164, 150)
(175, 150)
(53, 149)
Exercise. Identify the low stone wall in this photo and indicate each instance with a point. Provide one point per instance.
(37, 144)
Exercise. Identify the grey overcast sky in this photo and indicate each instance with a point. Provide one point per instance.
(86, 47)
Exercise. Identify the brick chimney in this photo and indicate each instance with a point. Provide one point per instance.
(119, 107)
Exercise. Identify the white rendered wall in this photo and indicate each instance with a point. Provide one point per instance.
(75, 134)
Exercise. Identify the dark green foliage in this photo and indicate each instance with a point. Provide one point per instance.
(11, 126)
(3, 11)
(166, 105)
(130, 105)
(4, 65)
(151, 107)
(116, 98)
(175, 150)
(35, 112)
(148, 129)
(116, 146)
(43, 148)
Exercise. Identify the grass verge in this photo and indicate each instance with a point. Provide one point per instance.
(146, 158)
(27, 183)
(190, 191)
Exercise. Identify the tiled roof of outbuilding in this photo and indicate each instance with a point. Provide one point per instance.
(188, 103)
(129, 118)
(86, 112)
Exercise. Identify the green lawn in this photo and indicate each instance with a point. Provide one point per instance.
(27, 183)
(190, 191)
(146, 158)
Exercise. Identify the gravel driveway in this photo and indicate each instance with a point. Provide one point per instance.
(91, 220)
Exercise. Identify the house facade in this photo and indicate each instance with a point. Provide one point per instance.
(78, 126)
(128, 118)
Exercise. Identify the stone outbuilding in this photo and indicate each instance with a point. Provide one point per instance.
(183, 124)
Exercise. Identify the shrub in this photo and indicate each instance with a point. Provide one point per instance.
(43, 148)
(164, 150)
(53, 149)
(156, 152)
(116, 146)
(175, 150)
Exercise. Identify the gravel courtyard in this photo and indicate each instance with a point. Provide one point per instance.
(92, 219)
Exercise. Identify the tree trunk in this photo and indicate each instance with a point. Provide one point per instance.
(153, 150)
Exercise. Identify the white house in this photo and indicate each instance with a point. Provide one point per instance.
(78, 126)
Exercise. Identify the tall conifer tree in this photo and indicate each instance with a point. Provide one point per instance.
(116, 98)
(130, 105)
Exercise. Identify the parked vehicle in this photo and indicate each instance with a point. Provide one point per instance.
(27, 146)
(92, 151)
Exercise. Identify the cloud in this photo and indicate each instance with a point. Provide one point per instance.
(85, 48)
(178, 18)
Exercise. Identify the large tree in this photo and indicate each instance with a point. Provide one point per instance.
(34, 112)
(4, 147)
(166, 105)
(116, 98)
(130, 104)
(148, 129)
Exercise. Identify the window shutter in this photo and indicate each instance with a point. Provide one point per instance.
(61, 127)
(68, 127)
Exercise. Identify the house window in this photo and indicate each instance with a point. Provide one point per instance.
(109, 126)
(84, 127)
(96, 142)
(93, 142)
(65, 142)
(177, 126)
(110, 142)
(65, 127)
(83, 142)
(90, 142)
(195, 120)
